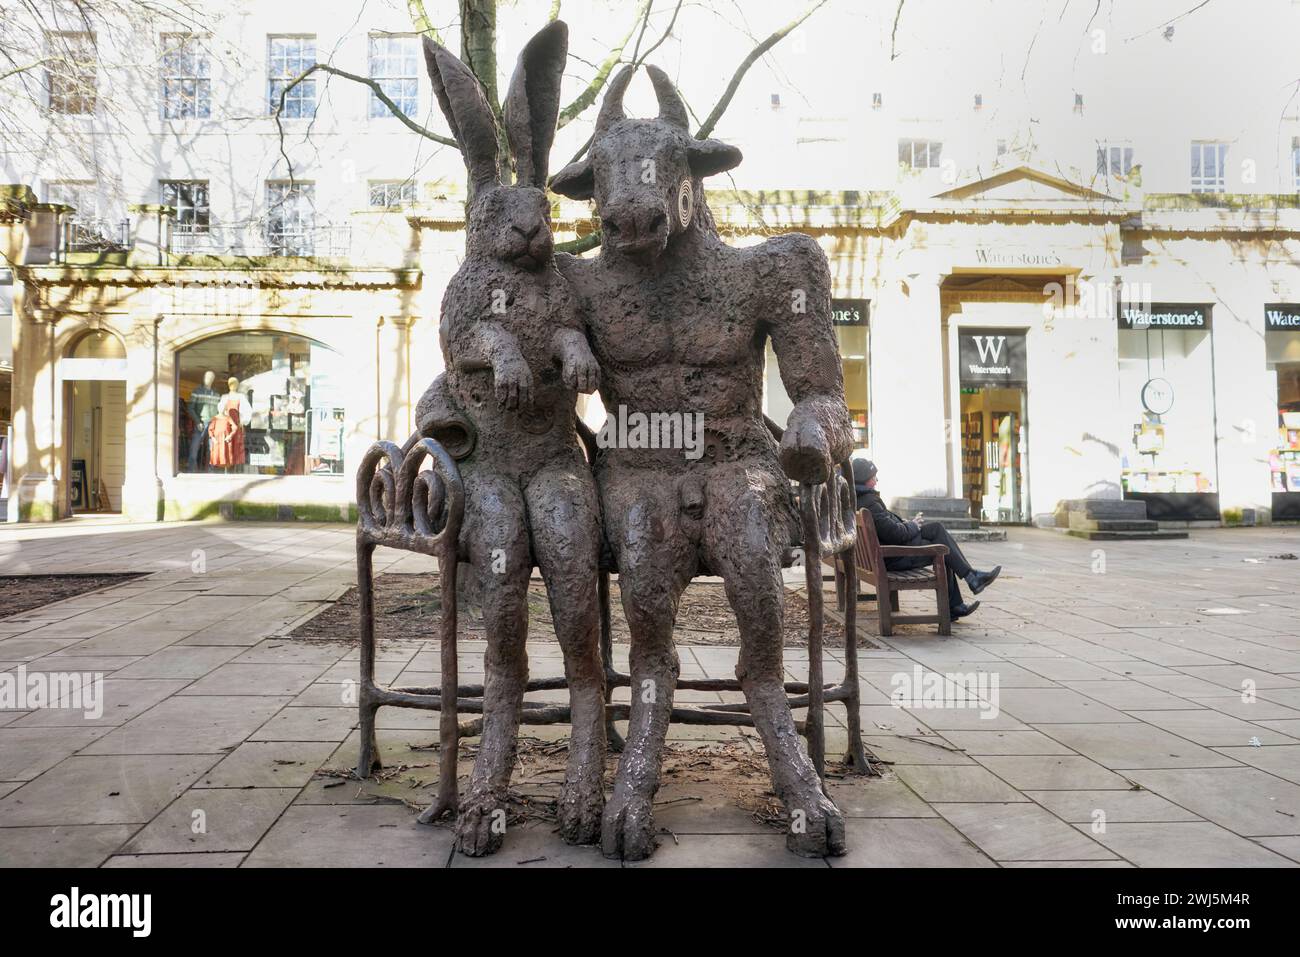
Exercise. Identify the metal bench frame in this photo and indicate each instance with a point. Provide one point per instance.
(401, 504)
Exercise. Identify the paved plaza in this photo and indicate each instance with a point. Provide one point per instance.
(1147, 714)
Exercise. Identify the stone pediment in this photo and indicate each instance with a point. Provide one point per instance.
(1024, 186)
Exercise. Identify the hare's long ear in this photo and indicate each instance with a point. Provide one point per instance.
(467, 111)
(533, 102)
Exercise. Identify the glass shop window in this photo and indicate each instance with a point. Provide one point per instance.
(1283, 350)
(1167, 393)
(260, 403)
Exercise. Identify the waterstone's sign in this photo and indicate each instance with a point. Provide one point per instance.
(849, 312)
(988, 357)
(1164, 315)
(1282, 317)
(1002, 257)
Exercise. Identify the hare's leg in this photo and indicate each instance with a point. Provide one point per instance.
(497, 536)
(562, 514)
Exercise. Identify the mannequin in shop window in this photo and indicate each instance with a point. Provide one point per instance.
(893, 530)
(204, 401)
(226, 430)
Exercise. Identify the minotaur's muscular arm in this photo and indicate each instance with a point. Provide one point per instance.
(797, 284)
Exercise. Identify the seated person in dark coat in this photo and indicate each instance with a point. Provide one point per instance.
(892, 530)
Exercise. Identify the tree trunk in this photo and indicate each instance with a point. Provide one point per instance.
(478, 49)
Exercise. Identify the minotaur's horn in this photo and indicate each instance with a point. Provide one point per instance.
(671, 107)
(611, 111)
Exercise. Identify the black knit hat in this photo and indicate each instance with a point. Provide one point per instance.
(863, 472)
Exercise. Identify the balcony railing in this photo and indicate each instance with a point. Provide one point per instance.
(260, 238)
(95, 235)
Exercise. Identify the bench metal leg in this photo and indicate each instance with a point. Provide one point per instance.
(448, 799)
(856, 758)
(368, 760)
(813, 578)
(613, 739)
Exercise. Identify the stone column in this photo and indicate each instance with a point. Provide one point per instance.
(146, 418)
(37, 429)
(910, 430)
(1245, 407)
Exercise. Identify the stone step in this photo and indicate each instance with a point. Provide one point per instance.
(1095, 535)
(1112, 525)
(978, 534)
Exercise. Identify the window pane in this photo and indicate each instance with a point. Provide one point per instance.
(260, 403)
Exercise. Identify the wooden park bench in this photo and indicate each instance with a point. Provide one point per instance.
(412, 498)
(868, 559)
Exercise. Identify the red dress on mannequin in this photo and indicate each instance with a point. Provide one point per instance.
(227, 435)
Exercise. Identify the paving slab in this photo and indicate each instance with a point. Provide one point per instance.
(212, 819)
(61, 845)
(1186, 845)
(268, 764)
(192, 859)
(1021, 832)
(107, 789)
(938, 784)
(907, 842)
(1052, 772)
(1245, 800)
(1134, 745)
(1110, 806)
(383, 835)
(190, 725)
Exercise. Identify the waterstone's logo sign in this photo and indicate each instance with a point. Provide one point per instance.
(1282, 317)
(989, 357)
(1001, 257)
(1164, 315)
(849, 312)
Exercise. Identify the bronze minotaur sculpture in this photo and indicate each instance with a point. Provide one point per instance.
(516, 358)
(678, 321)
(668, 321)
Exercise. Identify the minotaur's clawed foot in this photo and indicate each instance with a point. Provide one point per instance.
(481, 826)
(816, 826)
(628, 829)
(582, 802)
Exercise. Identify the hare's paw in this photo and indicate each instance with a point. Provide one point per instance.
(514, 383)
(580, 369)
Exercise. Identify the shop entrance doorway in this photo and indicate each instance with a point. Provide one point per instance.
(93, 379)
(994, 433)
(992, 453)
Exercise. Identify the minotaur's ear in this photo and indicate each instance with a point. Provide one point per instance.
(466, 109)
(712, 156)
(576, 181)
(533, 102)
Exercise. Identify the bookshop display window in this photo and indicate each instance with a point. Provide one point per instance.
(1282, 345)
(260, 403)
(992, 369)
(1166, 380)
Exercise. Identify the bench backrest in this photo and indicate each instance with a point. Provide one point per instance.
(866, 547)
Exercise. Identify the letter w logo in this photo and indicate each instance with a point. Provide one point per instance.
(988, 347)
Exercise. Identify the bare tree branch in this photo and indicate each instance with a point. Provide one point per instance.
(420, 19)
(721, 106)
(893, 34)
(588, 95)
(555, 11)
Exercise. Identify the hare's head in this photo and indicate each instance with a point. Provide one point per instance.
(510, 223)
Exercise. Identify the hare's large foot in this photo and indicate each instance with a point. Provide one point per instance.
(628, 829)
(816, 824)
(481, 826)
